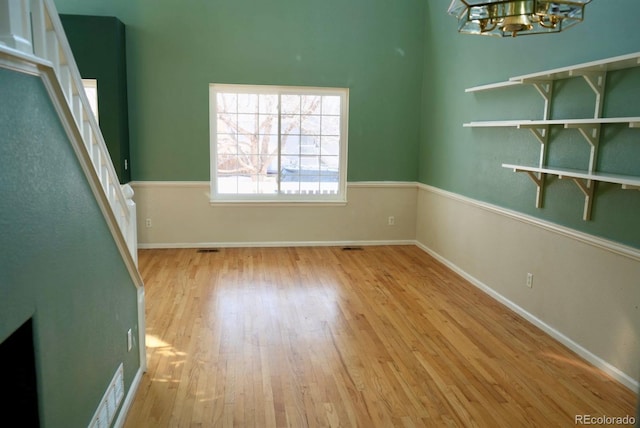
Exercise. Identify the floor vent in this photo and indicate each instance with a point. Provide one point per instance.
(110, 402)
(352, 248)
(208, 250)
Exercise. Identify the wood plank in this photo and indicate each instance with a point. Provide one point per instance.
(315, 337)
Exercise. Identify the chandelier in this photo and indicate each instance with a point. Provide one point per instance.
(510, 18)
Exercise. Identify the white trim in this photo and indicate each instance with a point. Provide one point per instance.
(128, 400)
(205, 184)
(596, 361)
(269, 244)
(282, 203)
(387, 184)
(614, 247)
(151, 184)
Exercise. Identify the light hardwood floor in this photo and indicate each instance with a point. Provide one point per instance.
(378, 337)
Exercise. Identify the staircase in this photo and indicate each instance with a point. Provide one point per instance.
(32, 41)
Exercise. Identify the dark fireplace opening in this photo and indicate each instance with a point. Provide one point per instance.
(17, 360)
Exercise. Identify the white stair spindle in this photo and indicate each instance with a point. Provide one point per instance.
(87, 136)
(53, 51)
(38, 28)
(65, 82)
(78, 111)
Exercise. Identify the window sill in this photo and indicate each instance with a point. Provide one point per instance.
(277, 203)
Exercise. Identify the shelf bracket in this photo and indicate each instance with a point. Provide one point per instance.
(586, 187)
(541, 132)
(596, 80)
(538, 179)
(591, 133)
(545, 89)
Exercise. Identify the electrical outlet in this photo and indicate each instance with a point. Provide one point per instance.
(129, 340)
(530, 280)
(148, 223)
(391, 221)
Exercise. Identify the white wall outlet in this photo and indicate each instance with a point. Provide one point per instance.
(129, 340)
(148, 223)
(530, 280)
(391, 221)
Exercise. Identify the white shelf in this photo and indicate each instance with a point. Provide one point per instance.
(594, 74)
(610, 64)
(627, 181)
(492, 86)
(634, 122)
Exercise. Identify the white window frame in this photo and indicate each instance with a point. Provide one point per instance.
(340, 197)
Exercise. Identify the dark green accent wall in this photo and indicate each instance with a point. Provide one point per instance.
(58, 262)
(175, 49)
(99, 48)
(468, 161)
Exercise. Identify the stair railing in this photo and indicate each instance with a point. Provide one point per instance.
(33, 27)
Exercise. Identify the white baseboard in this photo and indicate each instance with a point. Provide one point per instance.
(126, 405)
(273, 244)
(596, 361)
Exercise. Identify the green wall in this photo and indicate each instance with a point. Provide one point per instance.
(58, 261)
(98, 46)
(407, 68)
(175, 49)
(468, 160)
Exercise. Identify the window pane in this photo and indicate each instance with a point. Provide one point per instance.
(331, 104)
(247, 123)
(267, 184)
(227, 123)
(290, 124)
(309, 164)
(330, 125)
(310, 104)
(226, 103)
(268, 144)
(290, 104)
(330, 146)
(310, 124)
(268, 123)
(329, 164)
(268, 103)
(227, 184)
(227, 144)
(291, 145)
(246, 184)
(291, 163)
(247, 103)
(309, 145)
(247, 143)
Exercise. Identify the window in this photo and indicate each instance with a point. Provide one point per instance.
(271, 143)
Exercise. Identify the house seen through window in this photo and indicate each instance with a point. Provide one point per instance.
(273, 143)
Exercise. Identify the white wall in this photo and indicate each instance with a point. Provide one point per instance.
(181, 216)
(586, 291)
